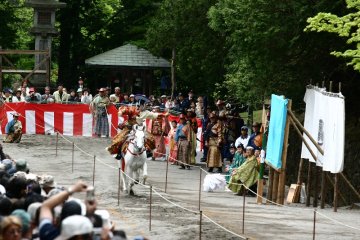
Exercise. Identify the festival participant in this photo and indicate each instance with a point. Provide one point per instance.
(256, 137)
(214, 140)
(7, 97)
(182, 137)
(172, 143)
(135, 115)
(159, 128)
(18, 96)
(13, 130)
(238, 160)
(98, 107)
(47, 97)
(204, 122)
(246, 174)
(126, 99)
(244, 137)
(192, 121)
(60, 96)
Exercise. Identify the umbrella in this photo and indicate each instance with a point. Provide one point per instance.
(141, 98)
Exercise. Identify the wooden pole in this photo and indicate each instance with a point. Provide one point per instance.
(200, 225)
(323, 189)
(243, 215)
(150, 208)
(335, 192)
(48, 66)
(350, 185)
(308, 185)
(316, 187)
(282, 176)
(314, 225)
(119, 186)
(301, 164)
(270, 187)
(94, 171)
(303, 139)
(56, 144)
(275, 186)
(260, 189)
(72, 157)
(200, 188)
(166, 174)
(305, 131)
(333, 185)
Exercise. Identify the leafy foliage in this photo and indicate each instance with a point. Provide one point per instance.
(346, 26)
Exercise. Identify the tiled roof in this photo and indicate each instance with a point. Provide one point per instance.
(128, 55)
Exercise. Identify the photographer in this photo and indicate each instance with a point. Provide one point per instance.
(33, 96)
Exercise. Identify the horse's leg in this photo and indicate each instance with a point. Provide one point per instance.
(145, 174)
(131, 181)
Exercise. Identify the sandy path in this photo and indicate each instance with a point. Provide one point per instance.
(171, 222)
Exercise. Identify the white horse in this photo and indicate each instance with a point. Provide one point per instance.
(135, 159)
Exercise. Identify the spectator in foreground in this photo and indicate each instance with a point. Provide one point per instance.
(86, 96)
(18, 96)
(60, 96)
(7, 97)
(10, 228)
(47, 97)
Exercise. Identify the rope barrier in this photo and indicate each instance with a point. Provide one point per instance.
(223, 228)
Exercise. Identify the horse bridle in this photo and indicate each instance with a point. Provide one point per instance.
(136, 154)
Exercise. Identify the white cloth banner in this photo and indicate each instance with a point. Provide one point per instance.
(325, 121)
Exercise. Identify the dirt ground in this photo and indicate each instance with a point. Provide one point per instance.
(169, 221)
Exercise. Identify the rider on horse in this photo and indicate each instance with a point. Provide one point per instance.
(135, 115)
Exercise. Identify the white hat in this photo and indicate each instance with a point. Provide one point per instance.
(249, 147)
(79, 90)
(32, 210)
(132, 95)
(47, 181)
(75, 225)
(105, 216)
(2, 190)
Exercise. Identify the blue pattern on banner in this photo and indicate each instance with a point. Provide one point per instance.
(276, 130)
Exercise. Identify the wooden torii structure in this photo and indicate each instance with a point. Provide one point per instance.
(25, 74)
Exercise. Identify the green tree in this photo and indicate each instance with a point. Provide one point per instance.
(183, 26)
(268, 50)
(346, 27)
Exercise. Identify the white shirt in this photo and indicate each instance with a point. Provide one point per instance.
(243, 141)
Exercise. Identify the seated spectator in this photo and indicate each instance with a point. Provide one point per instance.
(247, 174)
(13, 130)
(79, 94)
(10, 228)
(18, 96)
(72, 97)
(238, 160)
(47, 97)
(24, 92)
(86, 96)
(132, 99)
(117, 98)
(60, 96)
(7, 96)
(33, 96)
(126, 99)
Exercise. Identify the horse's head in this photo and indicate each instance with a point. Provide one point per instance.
(139, 139)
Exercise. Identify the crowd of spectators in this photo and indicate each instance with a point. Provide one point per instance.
(36, 207)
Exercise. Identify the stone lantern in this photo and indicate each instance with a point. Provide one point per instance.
(43, 30)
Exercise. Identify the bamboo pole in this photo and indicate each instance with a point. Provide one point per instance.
(282, 176)
(200, 225)
(306, 132)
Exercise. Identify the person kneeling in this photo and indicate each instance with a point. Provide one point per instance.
(246, 175)
(13, 130)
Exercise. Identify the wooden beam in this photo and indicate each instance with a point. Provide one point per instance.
(36, 68)
(333, 185)
(303, 139)
(316, 187)
(275, 186)
(323, 189)
(305, 131)
(19, 71)
(270, 187)
(336, 192)
(350, 185)
(13, 52)
(308, 185)
(282, 176)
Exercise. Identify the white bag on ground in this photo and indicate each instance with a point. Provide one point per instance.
(214, 182)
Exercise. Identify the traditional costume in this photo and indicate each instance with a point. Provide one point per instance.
(246, 174)
(193, 127)
(238, 160)
(214, 140)
(99, 104)
(182, 137)
(13, 130)
(159, 128)
(173, 149)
